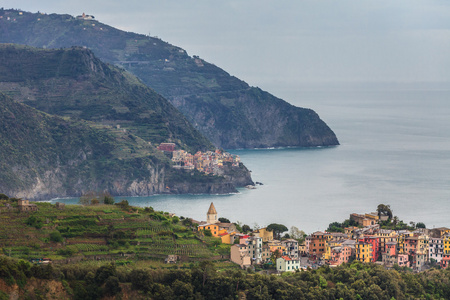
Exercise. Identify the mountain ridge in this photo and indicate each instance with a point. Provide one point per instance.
(217, 104)
(84, 125)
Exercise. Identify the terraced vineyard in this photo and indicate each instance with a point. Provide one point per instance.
(109, 232)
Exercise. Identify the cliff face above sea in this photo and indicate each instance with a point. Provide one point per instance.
(224, 108)
(70, 124)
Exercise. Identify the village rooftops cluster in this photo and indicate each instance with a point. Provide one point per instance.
(367, 243)
(208, 162)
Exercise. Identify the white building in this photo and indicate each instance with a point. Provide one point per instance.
(286, 264)
(436, 249)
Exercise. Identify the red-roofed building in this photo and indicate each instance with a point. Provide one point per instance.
(169, 147)
(286, 264)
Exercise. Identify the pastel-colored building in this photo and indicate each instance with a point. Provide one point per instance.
(386, 235)
(276, 246)
(291, 246)
(255, 249)
(340, 255)
(239, 255)
(265, 253)
(317, 244)
(363, 251)
(214, 228)
(287, 264)
(366, 219)
(265, 234)
(375, 242)
(436, 249)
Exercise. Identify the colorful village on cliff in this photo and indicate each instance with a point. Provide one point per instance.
(367, 243)
(208, 162)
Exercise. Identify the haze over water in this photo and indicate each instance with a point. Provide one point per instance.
(395, 149)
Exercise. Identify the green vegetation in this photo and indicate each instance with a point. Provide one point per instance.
(104, 137)
(80, 155)
(277, 229)
(109, 232)
(205, 280)
(392, 222)
(74, 83)
(339, 227)
(225, 109)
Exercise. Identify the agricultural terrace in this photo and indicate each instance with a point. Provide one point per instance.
(119, 233)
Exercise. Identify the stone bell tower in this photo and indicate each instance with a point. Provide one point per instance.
(211, 215)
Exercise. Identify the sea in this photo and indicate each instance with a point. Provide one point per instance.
(394, 149)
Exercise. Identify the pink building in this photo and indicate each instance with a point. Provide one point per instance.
(340, 255)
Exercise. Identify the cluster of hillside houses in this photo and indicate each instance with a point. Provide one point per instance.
(365, 243)
(208, 162)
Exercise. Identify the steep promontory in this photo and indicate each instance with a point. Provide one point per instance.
(44, 156)
(225, 109)
(98, 132)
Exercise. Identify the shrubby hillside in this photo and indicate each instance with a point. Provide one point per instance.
(225, 109)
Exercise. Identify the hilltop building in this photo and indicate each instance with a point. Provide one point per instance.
(24, 205)
(85, 17)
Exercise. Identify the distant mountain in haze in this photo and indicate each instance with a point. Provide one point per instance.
(225, 109)
(93, 126)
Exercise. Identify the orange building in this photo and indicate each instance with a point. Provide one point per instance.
(214, 228)
(317, 244)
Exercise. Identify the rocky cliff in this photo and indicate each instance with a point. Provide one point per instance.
(44, 156)
(225, 109)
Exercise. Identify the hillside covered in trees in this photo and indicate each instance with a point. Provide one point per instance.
(225, 109)
(93, 126)
(206, 281)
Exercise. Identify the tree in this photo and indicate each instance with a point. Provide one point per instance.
(106, 198)
(86, 198)
(297, 234)
(224, 220)
(246, 228)
(55, 236)
(187, 222)
(3, 197)
(124, 204)
(207, 232)
(384, 210)
(420, 225)
(277, 229)
(112, 286)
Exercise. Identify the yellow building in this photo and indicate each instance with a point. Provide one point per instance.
(265, 234)
(422, 244)
(226, 237)
(276, 246)
(446, 241)
(363, 252)
(328, 246)
(401, 237)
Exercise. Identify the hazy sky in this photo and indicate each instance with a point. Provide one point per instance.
(296, 41)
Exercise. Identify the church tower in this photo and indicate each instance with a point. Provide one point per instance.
(211, 215)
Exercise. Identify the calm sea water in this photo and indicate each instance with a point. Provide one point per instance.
(395, 149)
